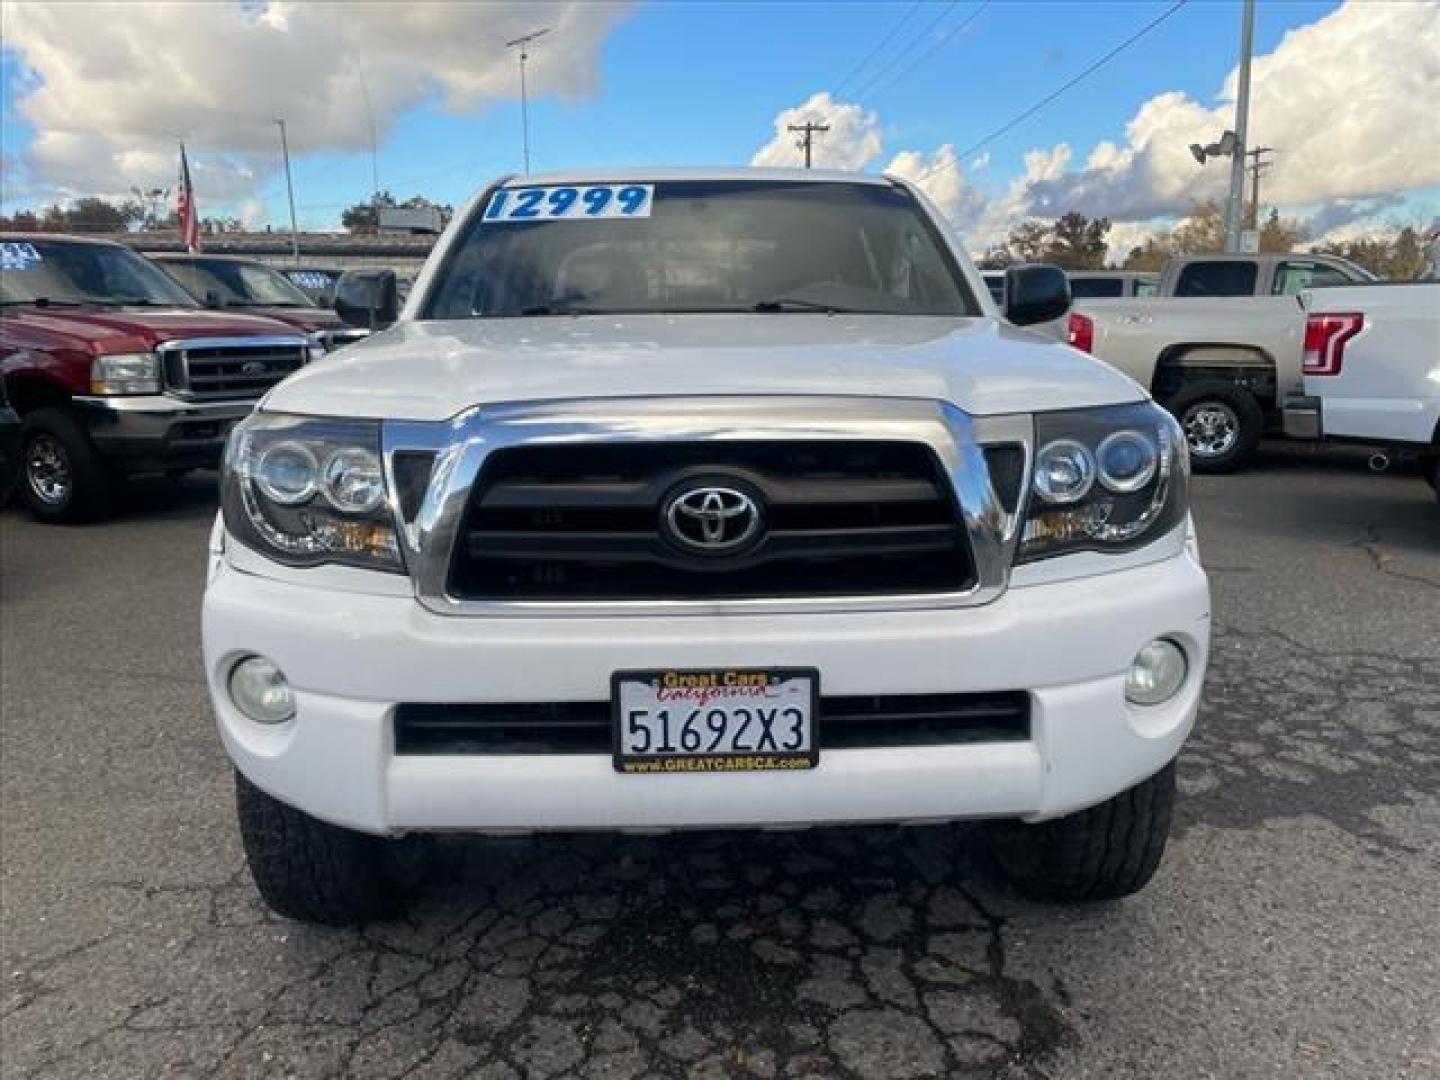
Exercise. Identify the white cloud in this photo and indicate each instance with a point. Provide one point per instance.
(1349, 103)
(109, 87)
(853, 141)
(942, 178)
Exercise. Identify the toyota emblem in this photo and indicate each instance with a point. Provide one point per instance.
(710, 519)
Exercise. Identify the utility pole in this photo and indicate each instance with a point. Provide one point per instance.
(522, 42)
(1235, 203)
(290, 187)
(808, 129)
(1257, 168)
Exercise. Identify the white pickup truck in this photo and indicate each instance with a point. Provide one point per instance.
(1372, 369)
(1219, 346)
(704, 499)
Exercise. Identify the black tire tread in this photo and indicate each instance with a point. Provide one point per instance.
(93, 494)
(1102, 853)
(1247, 409)
(310, 870)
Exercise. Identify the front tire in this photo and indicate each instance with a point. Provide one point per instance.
(1102, 853)
(309, 870)
(62, 478)
(1222, 424)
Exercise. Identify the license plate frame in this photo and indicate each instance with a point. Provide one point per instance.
(708, 762)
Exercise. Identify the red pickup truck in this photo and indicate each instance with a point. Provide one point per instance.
(115, 370)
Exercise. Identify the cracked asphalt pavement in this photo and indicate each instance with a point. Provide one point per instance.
(1291, 930)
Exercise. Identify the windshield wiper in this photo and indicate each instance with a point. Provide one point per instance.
(556, 309)
(44, 301)
(131, 301)
(794, 303)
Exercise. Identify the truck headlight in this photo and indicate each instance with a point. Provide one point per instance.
(1106, 479)
(306, 491)
(125, 373)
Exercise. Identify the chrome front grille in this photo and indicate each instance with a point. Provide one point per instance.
(841, 518)
(213, 369)
(463, 534)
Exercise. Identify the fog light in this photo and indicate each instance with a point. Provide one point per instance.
(1157, 674)
(260, 691)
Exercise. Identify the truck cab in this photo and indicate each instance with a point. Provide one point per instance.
(232, 283)
(115, 370)
(1267, 274)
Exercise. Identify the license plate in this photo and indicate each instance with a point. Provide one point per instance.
(716, 720)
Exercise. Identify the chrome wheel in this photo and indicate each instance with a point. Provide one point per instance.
(1212, 428)
(47, 470)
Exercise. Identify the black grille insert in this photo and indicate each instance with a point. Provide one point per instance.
(202, 371)
(583, 522)
(583, 727)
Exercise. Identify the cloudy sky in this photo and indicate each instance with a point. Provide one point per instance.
(95, 96)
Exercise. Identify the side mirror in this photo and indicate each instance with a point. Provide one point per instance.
(1035, 293)
(367, 298)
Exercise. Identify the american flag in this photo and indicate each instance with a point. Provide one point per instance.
(185, 207)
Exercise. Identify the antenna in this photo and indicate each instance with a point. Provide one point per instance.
(522, 42)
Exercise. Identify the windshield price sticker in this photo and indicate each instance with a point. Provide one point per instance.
(569, 203)
(18, 256)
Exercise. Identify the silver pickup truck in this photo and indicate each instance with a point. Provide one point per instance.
(1219, 346)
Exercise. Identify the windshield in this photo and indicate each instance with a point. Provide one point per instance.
(700, 246)
(67, 272)
(237, 284)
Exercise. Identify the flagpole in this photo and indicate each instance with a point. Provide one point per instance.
(290, 187)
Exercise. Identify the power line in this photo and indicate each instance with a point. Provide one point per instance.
(1033, 109)
(880, 46)
(885, 72)
(874, 93)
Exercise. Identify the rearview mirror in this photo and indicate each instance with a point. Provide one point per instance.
(212, 299)
(367, 298)
(1035, 293)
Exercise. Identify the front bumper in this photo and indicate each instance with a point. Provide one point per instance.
(156, 431)
(352, 657)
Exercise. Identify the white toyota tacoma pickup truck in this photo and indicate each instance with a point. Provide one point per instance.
(709, 499)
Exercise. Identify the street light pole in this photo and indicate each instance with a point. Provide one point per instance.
(1235, 203)
(290, 187)
(522, 42)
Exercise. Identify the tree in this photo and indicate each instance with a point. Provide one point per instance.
(1078, 243)
(1072, 241)
(92, 214)
(1201, 231)
(1399, 256)
(1028, 241)
(20, 221)
(1149, 256)
(1282, 234)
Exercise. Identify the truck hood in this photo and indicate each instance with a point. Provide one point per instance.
(138, 329)
(433, 370)
(302, 319)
